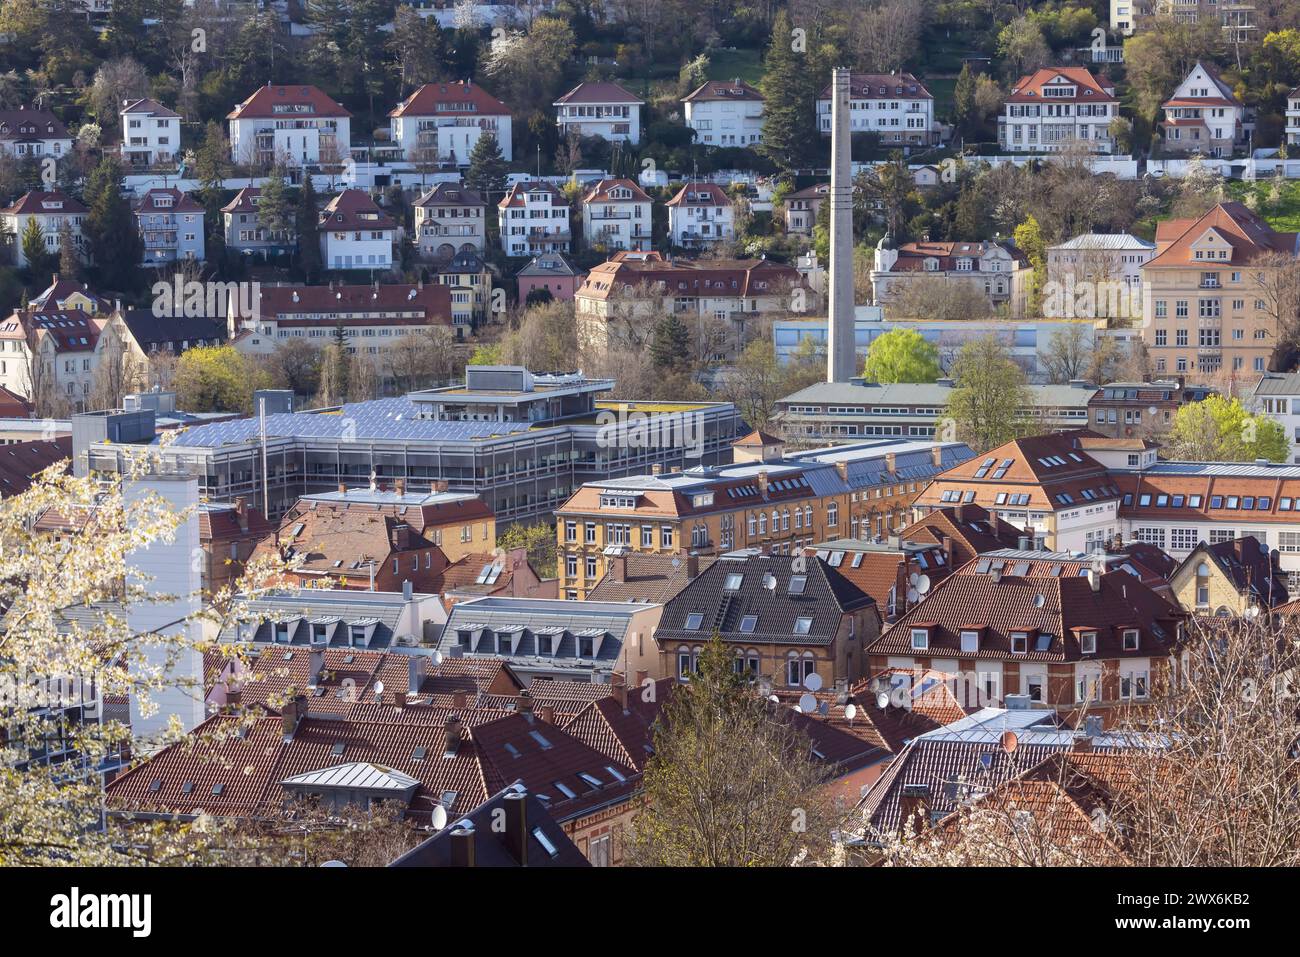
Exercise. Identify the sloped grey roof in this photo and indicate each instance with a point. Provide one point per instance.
(356, 776)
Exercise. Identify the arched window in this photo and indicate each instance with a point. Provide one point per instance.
(807, 516)
(832, 514)
(785, 520)
(762, 523)
(798, 518)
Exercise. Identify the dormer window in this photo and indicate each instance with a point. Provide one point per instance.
(1088, 642)
(970, 641)
(920, 639)
(1019, 642)
(1130, 639)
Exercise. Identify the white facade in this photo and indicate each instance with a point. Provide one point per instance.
(1055, 107)
(898, 108)
(295, 125)
(151, 133)
(1203, 115)
(600, 109)
(701, 214)
(50, 211)
(442, 122)
(725, 114)
(616, 215)
(534, 218)
(1293, 117)
(37, 133)
(356, 249)
(1278, 397)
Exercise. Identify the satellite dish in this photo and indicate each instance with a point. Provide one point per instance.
(1039, 601)
(379, 688)
(851, 711)
(333, 864)
(1152, 409)
(1010, 742)
(769, 581)
(677, 563)
(913, 578)
(774, 699)
(882, 700)
(437, 658)
(807, 703)
(923, 584)
(913, 595)
(439, 818)
(813, 682)
(1252, 611)
(824, 708)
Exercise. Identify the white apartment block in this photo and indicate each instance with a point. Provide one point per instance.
(725, 113)
(1203, 115)
(1293, 117)
(442, 122)
(1056, 106)
(534, 218)
(151, 133)
(616, 215)
(355, 233)
(1278, 396)
(50, 210)
(701, 214)
(294, 125)
(895, 106)
(450, 219)
(1107, 267)
(600, 109)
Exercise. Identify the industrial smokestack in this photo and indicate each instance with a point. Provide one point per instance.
(841, 357)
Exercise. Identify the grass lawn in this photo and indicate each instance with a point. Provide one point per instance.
(1283, 216)
(729, 64)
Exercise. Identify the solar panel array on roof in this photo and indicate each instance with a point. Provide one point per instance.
(380, 419)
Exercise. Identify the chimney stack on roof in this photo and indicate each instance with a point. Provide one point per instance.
(315, 665)
(692, 566)
(400, 486)
(459, 699)
(656, 469)
(936, 456)
(762, 482)
(618, 568)
(343, 489)
(516, 806)
(618, 684)
(291, 714)
(417, 667)
(524, 703)
(958, 513)
(462, 845)
(914, 805)
(241, 511)
(451, 733)
(547, 713)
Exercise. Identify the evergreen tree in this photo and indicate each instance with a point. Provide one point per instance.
(789, 113)
(274, 213)
(487, 167)
(309, 261)
(115, 243)
(670, 344)
(34, 248)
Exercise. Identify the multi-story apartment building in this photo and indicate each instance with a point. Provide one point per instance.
(600, 109)
(31, 132)
(1054, 106)
(51, 210)
(729, 295)
(1021, 625)
(1293, 117)
(616, 214)
(1046, 485)
(171, 225)
(151, 133)
(725, 113)
(895, 106)
(1140, 410)
(244, 230)
(355, 233)
(469, 281)
(701, 214)
(1230, 578)
(295, 125)
(1125, 15)
(998, 269)
(534, 218)
(48, 351)
(521, 442)
(1203, 115)
(782, 625)
(768, 500)
(1277, 395)
(442, 123)
(856, 410)
(1096, 276)
(802, 206)
(1210, 306)
(373, 317)
(450, 219)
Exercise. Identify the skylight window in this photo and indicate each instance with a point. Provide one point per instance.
(798, 583)
(693, 621)
(565, 789)
(615, 773)
(591, 779)
(748, 624)
(802, 626)
(546, 745)
(540, 836)
(733, 581)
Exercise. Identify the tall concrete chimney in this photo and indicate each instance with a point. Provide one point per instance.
(841, 357)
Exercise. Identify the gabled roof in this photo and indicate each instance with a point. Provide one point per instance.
(429, 302)
(450, 99)
(1246, 235)
(912, 256)
(597, 93)
(903, 86)
(39, 201)
(168, 200)
(741, 278)
(148, 107)
(56, 296)
(548, 264)
(1222, 96)
(146, 327)
(517, 194)
(600, 192)
(700, 194)
(451, 194)
(728, 90)
(26, 124)
(544, 843)
(1249, 567)
(649, 578)
(971, 529)
(763, 594)
(245, 201)
(1089, 89)
(20, 461)
(354, 209)
(288, 101)
(1052, 612)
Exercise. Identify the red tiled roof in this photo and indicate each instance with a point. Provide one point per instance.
(450, 99)
(902, 86)
(971, 529)
(36, 201)
(599, 193)
(20, 461)
(1090, 89)
(430, 302)
(742, 278)
(723, 90)
(181, 202)
(263, 103)
(1245, 233)
(354, 209)
(700, 194)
